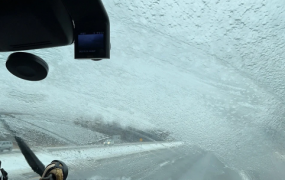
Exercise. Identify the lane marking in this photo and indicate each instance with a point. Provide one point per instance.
(164, 163)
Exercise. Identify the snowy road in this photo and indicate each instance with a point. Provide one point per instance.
(167, 164)
(176, 163)
(76, 159)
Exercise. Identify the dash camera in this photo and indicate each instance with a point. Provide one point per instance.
(92, 40)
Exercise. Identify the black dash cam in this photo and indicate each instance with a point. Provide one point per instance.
(92, 40)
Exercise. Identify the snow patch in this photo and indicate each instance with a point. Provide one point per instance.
(16, 163)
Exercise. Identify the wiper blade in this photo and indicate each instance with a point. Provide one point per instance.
(34, 162)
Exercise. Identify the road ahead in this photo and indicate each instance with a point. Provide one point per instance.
(167, 164)
(178, 163)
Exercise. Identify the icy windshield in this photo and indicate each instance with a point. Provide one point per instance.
(193, 90)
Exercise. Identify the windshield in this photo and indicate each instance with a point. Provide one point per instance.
(193, 90)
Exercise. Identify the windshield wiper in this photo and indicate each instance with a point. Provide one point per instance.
(33, 161)
(37, 166)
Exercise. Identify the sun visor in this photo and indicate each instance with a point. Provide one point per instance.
(34, 24)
